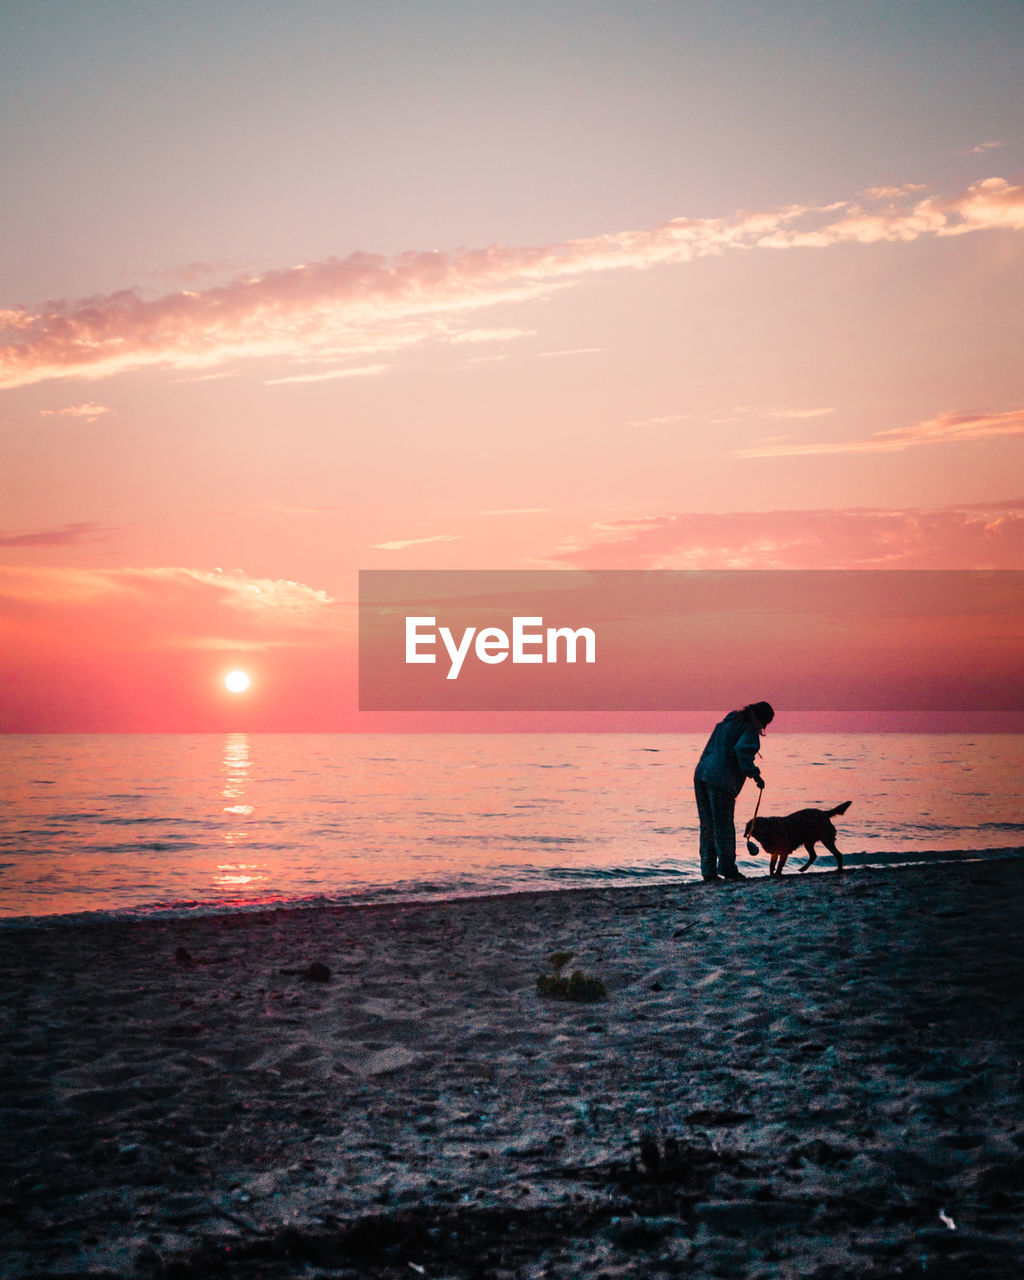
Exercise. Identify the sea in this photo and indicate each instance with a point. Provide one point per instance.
(147, 824)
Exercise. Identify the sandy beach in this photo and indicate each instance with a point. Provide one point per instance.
(817, 1075)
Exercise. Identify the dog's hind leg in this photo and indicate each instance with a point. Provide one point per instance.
(830, 845)
(813, 856)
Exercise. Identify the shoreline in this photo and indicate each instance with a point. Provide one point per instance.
(811, 1072)
(754, 869)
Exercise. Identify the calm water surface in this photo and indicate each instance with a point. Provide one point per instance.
(138, 823)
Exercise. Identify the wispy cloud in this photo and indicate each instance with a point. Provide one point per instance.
(662, 420)
(978, 536)
(982, 147)
(90, 411)
(892, 193)
(210, 377)
(275, 600)
(947, 428)
(344, 308)
(783, 415)
(492, 335)
(538, 355)
(277, 596)
(415, 542)
(65, 536)
(568, 351)
(361, 371)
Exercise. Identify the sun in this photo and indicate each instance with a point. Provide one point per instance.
(237, 681)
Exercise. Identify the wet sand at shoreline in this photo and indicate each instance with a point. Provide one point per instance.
(819, 1074)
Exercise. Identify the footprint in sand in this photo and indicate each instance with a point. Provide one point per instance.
(380, 1062)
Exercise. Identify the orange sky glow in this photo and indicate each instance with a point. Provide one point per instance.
(641, 287)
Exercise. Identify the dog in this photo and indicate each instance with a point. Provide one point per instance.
(780, 836)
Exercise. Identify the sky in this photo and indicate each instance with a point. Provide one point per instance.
(298, 290)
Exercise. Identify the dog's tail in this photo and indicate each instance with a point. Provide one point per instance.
(840, 808)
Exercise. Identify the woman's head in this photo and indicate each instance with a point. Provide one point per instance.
(761, 713)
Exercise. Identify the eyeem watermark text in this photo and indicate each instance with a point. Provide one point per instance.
(812, 640)
(530, 642)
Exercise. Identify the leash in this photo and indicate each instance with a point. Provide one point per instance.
(752, 848)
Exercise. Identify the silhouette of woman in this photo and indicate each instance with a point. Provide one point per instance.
(725, 764)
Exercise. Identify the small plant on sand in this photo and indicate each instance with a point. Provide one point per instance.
(577, 987)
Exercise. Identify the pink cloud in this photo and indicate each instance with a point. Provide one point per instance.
(948, 428)
(177, 596)
(90, 411)
(891, 193)
(784, 415)
(345, 308)
(400, 545)
(663, 419)
(991, 203)
(964, 537)
(492, 335)
(66, 535)
(360, 371)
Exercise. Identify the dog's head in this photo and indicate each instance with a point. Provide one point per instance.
(748, 831)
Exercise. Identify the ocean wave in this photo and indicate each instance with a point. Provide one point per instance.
(447, 817)
(519, 880)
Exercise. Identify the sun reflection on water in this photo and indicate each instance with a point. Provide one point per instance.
(235, 768)
(238, 873)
